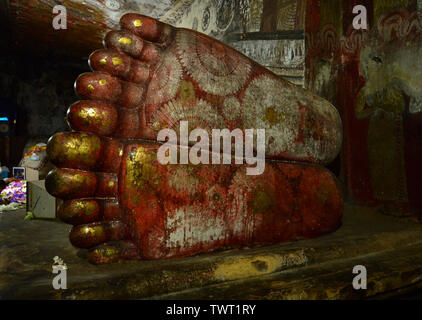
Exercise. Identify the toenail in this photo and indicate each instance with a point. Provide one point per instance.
(137, 23)
(117, 61)
(125, 40)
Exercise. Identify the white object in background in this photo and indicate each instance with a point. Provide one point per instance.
(32, 174)
(39, 201)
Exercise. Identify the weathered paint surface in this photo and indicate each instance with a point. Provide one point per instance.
(219, 206)
(272, 35)
(200, 80)
(226, 207)
(258, 265)
(285, 58)
(283, 15)
(180, 210)
(373, 77)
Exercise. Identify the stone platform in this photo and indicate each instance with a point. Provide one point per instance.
(389, 247)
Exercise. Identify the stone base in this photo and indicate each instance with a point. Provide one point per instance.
(389, 247)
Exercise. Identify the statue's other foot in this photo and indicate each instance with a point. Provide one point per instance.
(155, 75)
(125, 205)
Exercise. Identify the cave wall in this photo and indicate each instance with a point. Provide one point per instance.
(36, 93)
(374, 78)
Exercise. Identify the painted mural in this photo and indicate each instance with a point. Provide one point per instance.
(283, 57)
(374, 78)
(90, 20)
(276, 41)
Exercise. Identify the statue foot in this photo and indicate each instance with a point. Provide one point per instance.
(124, 204)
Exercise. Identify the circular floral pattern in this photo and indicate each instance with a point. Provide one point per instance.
(218, 69)
(232, 109)
(200, 116)
(271, 104)
(206, 19)
(322, 132)
(225, 14)
(165, 80)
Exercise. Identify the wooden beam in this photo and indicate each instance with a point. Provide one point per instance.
(277, 35)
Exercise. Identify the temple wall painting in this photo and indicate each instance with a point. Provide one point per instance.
(276, 41)
(231, 22)
(374, 78)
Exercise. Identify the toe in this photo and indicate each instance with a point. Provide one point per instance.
(70, 184)
(127, 42)
(147, 28)
(75, 150)
(85, 151)
(84, 211)
(98, 86)
(113, 252)
(104, 120)
(124, 41)
(79, 211)
(104, 87)
(90, 235)
(93, 116)
(119, 65)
